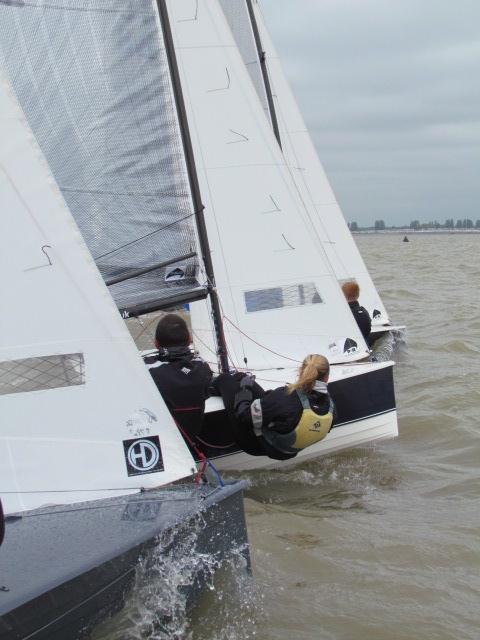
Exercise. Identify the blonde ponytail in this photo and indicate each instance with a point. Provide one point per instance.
(314, 367)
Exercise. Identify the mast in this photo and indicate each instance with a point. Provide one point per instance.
(263, 66)
(194, 185)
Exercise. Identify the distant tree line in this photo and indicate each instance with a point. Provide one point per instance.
(416, 225)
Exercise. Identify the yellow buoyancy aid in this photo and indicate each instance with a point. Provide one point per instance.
(311, 428)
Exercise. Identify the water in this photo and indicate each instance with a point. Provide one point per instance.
(379, 543)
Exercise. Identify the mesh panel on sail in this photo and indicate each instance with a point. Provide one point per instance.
(236, 13)
(92, 77)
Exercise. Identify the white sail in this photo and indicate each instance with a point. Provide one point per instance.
(80, 416)
(102, 109)
(237, 14)
(327, 221)
(280, 298)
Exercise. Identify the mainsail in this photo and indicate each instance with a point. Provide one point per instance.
(93, 79)
(280, 298)
(81, 417)
(327, 222)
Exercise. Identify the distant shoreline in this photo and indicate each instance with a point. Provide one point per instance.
(412, 232)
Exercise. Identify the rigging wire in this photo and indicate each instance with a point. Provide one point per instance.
(202, 458)
(93, 507)
(147, 235)
(197, 337)
(259, 344)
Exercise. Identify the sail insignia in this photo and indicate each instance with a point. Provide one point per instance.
(143, 455)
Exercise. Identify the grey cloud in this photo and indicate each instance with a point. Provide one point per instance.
(390, 92)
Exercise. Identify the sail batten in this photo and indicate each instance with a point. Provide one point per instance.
(102, 107)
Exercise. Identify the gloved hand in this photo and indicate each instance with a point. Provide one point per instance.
(247, 381)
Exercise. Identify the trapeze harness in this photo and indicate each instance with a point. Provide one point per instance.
(310, 429)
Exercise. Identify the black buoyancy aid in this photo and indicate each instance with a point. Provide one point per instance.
(310, 429)
(183, 380)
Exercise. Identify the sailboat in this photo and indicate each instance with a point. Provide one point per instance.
(225, 228)
(90, 458)
(327, 222)
(279, 293)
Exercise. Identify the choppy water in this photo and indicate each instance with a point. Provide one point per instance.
(379, 543)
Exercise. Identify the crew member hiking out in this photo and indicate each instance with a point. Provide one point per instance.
(351, 291)
(182, 378)
(282, 422)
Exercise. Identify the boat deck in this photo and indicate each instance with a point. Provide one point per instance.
(61, 565)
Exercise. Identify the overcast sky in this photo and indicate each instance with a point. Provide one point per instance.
(390, 90)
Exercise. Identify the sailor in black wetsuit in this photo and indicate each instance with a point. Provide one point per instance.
(282, 422)
(182, 378)
(351, 291)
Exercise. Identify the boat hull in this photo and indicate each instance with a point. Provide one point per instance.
(355, 434)
(66, 569)
(366, 412)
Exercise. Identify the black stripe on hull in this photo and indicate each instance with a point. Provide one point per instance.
(356, 398)
(363, 396)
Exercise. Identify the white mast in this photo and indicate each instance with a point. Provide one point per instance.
(328, 223)
(280, 297)
(81, 418)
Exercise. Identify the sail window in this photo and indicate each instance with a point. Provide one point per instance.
(42, 372)
(294, 295)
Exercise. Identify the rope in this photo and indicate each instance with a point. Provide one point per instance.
(215, 446)
(202, 457)
(197, 337)
(258, 343)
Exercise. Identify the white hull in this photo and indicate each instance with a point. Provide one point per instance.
(392, 328)
(372, 426)
(355, 434)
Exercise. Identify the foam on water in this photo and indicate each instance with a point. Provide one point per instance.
(158, 605)
(377, 543)
(382, 543)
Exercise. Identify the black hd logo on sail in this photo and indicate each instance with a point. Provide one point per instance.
(143, 455)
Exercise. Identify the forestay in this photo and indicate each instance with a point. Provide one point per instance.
(80, 416)
(328, 225)
(280, 298)
(92, 77)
